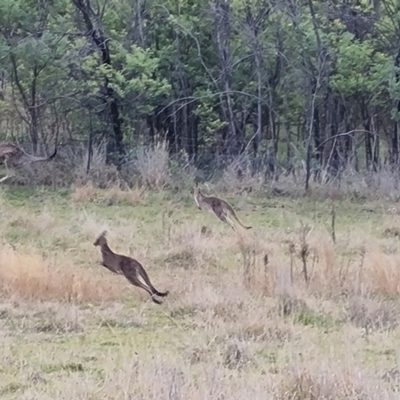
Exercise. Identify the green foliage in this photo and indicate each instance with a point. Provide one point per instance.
(210, 120)
(359, 68)
(175, 57)
(140, 70)
(314, 319)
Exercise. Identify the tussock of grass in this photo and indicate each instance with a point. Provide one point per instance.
(187, 247)
(84, 194)
(30, 276)
(153, 165)
(382, 273)
(330, 383)
(88, 193)
(372, 313)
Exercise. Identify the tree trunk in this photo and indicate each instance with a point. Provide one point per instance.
(368, 146)
(222, 23)
(395, 139)
(115, 147)
(367, 136)
(255, 47)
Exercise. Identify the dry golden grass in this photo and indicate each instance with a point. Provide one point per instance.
(84, 193)
(88, 193)
(28, 275)
(241, 321)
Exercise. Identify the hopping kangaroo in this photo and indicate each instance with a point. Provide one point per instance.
(219, 207)
(127, 266)
(13, 156)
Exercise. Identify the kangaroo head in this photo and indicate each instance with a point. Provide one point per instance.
(197, 196)
(196, 190)
(101, 240)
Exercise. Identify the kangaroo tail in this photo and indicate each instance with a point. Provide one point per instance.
(240, 222)
(146, 278)
(244, 226)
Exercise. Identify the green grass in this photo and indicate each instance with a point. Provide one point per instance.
(227, 328)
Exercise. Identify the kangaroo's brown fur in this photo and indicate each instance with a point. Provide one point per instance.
(127, 266)
(12, 156)
(219, 207)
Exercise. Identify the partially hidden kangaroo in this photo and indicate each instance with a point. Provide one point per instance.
(219, 207)
(127, 266)
(13, 156)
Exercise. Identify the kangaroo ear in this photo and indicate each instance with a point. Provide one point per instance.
(104, 233)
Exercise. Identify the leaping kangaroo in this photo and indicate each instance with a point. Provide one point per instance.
(127, 266)
(219, 207)
(12, 156)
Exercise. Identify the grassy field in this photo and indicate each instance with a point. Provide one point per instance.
(241, 320)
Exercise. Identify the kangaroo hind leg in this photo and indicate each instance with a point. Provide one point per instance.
(10, 173)
(146, 278)
(226, 218)
(134, 280)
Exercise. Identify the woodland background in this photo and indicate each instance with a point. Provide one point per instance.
(267, 87)
(251, 99)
